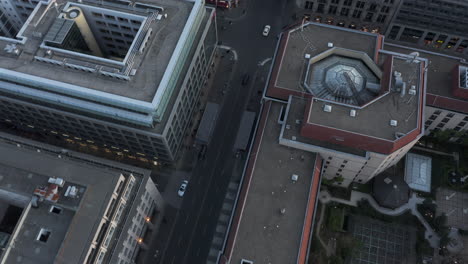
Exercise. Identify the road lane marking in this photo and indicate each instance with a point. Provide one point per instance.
(264, 61)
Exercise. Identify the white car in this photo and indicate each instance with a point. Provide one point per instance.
(266, 30)
(182, 188)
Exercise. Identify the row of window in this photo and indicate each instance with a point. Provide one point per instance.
(85, 130)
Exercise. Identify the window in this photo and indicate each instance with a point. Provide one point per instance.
(348, 2)
(43, 235)
(381, 18)
(357, 14)
(344, 11)
(360, 4)
(320, 8)
(309, 5)
(450, 115)
(345, 161)
(369, 16)
(445, 120)
(332, 10)
(56, 210)
(438, 112)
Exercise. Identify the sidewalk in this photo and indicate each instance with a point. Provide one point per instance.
(430, 235)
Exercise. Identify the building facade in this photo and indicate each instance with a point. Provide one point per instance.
(434, 24)
(372, 16)
(131, 90)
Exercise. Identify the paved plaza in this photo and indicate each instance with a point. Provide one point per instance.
(383, 243)
(455, 205)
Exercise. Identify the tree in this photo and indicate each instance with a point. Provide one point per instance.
(440, 225)
(445, 240)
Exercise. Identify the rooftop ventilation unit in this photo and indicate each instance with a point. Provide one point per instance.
(307, 56)
(330, 44)
(412, 90)
(393, 123)
(294, 177)
(352, 113)
(327, 108)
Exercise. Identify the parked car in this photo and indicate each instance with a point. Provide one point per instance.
(245, 79)
(182, 188)
(266, 30)
(202, 153)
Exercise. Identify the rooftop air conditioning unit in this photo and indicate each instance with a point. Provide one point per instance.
(294, 177)
(393, 123)
(307, 56)
(330, 44)
(352, 113)
(327, 108)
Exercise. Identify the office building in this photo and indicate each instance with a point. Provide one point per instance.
(356, 105)
(438, 25)
(363, 15)
(59, 206)
(116, 75)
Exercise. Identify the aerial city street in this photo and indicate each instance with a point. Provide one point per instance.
(234, 131)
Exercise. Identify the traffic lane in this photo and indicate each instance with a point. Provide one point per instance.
(221, 182)
(203, 179)
(225, 141)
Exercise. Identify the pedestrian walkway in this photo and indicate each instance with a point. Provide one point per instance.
(433, 239)
(328, 250)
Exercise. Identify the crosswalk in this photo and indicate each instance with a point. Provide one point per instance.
(223, 223)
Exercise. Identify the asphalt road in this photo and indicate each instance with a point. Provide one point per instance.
(196, 221)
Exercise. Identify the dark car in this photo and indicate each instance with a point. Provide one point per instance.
(245, 79)
(202, 153)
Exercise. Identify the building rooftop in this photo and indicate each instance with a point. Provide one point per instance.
(374, 118)
(73, 228)
(305, 40)
(143, 60)
(418, 172)
(266, 234)
(439, 75)
(296, 111)
(363, 97)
